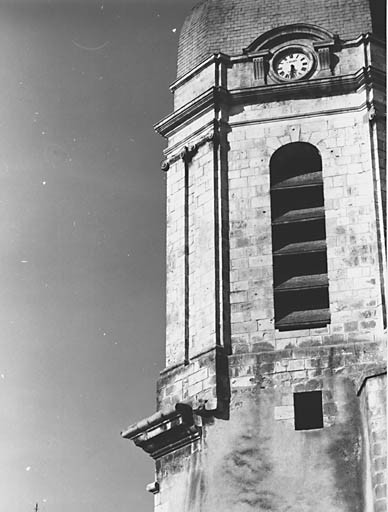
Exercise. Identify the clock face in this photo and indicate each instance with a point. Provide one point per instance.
(293, 65)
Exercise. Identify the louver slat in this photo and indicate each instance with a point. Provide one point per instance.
(310, 179)
(308, 318)
(301, 295)
(302, 248)
(303, 282)
(303, 215)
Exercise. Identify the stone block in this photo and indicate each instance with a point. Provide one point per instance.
(380, 506)
(195, 389)
(380, 491)
(243, 381)
(284, 412)
(380, 464)
(198, 376)
(295, 364)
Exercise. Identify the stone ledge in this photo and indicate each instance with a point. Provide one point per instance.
(165, 431)
(217, 96)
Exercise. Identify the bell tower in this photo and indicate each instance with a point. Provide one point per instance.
(274, 391)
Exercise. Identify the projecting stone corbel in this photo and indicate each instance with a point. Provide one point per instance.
(188, 152)
(165, 165)
(165, 431)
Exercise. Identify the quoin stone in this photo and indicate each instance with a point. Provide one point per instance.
(273, 397)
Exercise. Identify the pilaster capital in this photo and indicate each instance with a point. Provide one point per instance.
(187, 153)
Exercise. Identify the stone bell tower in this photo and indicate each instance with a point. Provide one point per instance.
(273, 395)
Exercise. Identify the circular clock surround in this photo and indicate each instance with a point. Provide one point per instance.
(293, 63)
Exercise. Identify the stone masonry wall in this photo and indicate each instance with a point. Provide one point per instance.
(343, 140)
(175, 266)
(201, 286)
(240, 75)
(190, 257)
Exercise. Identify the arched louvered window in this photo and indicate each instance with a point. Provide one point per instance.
(299, 238)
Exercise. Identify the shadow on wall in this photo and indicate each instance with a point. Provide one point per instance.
(256, 463)
(196, 488)
(345, 450)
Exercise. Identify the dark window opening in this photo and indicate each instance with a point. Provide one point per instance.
(299, 238)
(308, 410)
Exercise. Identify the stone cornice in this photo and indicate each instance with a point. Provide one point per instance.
(215, 97)
(211, 98)
(308, 114)
(363, 38)
(249, 54)
(314, 88)
(294, 31)
(217, 349)
(189, 147)
(165, 431)
(213, 59)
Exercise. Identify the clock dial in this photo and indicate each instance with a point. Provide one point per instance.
(293, 65)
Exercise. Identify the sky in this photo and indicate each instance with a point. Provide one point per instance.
(82, 236)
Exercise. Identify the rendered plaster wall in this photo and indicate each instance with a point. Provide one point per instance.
(256, 460)
(374, 405)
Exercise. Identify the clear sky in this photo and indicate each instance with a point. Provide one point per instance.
(82, 263)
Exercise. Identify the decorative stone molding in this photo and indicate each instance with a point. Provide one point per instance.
(165, 165)
(278, 35)
(165, 432)
(188, 152)
(324, 50)
(313, 88)
(213, 97)
(218, 58)
(260, 66)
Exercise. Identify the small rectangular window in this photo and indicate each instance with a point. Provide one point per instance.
(308, 410)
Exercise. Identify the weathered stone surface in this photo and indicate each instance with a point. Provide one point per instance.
(225, 359)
